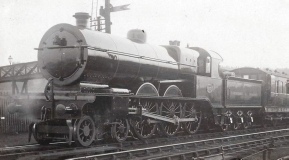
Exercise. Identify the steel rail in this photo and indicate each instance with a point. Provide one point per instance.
(158, 149)
(233, 149)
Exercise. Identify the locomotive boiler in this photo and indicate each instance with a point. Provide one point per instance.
(102, 86)
(71, 54)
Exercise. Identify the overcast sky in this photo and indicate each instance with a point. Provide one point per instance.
(243, 32)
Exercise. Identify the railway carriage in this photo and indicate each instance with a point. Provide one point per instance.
(102, 86)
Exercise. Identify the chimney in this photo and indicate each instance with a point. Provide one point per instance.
(81, 19)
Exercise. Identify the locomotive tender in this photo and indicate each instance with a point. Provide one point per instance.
(102, 86)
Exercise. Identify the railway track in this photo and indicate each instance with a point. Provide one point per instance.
(199, 145)
(219, 148)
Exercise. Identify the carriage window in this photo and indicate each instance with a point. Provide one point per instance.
(246, 76)
(279, 86)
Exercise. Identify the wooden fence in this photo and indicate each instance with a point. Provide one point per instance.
(11, 123)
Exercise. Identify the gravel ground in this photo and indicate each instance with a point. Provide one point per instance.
(14, 139)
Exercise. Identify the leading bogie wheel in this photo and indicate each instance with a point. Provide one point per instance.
(39, 137)
(84, 131)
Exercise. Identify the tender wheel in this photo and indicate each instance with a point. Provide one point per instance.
(39, 137)
(227, 123)
(171, 109)
(192, 112)
(120, 130)
(236, 125)
(225, 127)
(141, 126)
(247, 123)
(84, 131)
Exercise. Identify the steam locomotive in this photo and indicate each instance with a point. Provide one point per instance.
(102, 86)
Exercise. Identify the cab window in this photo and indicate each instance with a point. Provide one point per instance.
(208, 65)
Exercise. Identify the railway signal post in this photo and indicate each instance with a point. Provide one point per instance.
(105, 12)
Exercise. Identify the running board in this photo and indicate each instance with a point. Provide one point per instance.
(174, 120)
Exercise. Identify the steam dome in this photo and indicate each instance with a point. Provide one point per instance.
(137, 35)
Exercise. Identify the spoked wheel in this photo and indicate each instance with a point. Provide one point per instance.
(171, 109)
(84, 131)
(190, 111)
(225, 127)
(120, 130)
(236, 125)
(39, 137)
(141, 126)
(247, 123)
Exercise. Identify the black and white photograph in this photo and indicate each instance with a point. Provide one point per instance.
(144, 80)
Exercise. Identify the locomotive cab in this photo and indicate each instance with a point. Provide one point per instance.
(208, 80)
(208, 63)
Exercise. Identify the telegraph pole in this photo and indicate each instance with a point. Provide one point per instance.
(105, 12)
